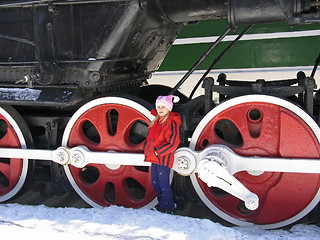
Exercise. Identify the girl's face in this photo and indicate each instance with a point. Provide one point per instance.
(162, 110)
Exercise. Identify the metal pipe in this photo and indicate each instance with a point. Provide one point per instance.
(315, 66)
(201, 59)
(46, 2)
(186, 11)
(17, 39)
(266, 11)
(218, 59)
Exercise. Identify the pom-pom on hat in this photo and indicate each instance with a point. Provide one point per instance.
(167, 101)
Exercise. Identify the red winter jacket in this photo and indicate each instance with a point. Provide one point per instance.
(163, 140)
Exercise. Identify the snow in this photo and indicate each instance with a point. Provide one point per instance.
(41, 222)
(19, 94)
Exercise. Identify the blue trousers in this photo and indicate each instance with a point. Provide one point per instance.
(160, 176)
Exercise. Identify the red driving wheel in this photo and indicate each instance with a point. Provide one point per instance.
(111, 124)
(14, 133)
(263, 126)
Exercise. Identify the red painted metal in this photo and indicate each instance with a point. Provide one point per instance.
(275, 132)
(10, 168)
(112, 141)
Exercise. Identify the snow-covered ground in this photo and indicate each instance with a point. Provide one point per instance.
(44, 223)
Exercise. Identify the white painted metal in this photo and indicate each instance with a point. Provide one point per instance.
(235, 163)
(81, 156)
(216, 175)
(60, 155)
(185, 159)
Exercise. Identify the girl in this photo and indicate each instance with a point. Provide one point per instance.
(163, 139)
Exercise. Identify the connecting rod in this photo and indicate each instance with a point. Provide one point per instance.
(215, 165)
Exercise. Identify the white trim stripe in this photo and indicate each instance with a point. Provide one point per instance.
(258, 36)
(238, 70)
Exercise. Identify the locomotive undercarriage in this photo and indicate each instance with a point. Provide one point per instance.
(75, 112)
(208, 160)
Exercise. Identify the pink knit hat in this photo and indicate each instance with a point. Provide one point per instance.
(167, 101)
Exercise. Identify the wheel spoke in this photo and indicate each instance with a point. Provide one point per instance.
(118, 128)
(10, 139)
(97, 116)
(122, 197)
(97, 189)
(142, 177)
(78, 138)
(5, 169)
(126, 118)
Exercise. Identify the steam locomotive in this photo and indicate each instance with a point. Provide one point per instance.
(75, 108)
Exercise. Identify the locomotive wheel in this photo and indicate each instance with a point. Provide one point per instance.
(14, 173)
(111, 124)
(258, 125)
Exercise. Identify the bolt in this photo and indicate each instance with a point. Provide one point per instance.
(183, 163)
(60, 157)
(49, 26)
(251, 205)
(94, 76)
(76, 158)
(252, 202)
